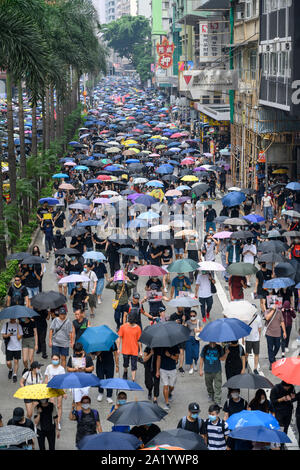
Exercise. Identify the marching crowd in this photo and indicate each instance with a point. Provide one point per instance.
(132, 201)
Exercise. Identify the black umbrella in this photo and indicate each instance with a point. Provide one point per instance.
(292, 233)
(67, 251)
(48, 300)
(137, 413)
(200, 189)
(159, 241)
(170, 178)
(187, 440)
(121, 240)
(241, 234)
(166, 334)
(34, 260)
(250, 381)
(270, 257)
(17, 311)
(285, 270)
(220, 219)
(18, 256)
(273, 245)
(128, 252)
(75, 232)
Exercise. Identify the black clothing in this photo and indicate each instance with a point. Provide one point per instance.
(146, 434)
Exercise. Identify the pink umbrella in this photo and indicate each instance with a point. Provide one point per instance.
(150, 270)
(70, 164)
(187, 161)
(173, 193)
(207, 154)
(222, 235)
(154, 155)
(176, 135)
(66, 186)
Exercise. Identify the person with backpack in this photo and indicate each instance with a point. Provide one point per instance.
(234, 403)
(17, 293)
(215, 429)
(235, 359)
(137, 309)
(12, 333)
(210, 358)
(79, 325)
(295, 249)
(80, 362)
(192, 422)
(122, 286)
(88, 421)
(31, 377)
(46, 422)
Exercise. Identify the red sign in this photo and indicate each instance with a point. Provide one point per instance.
(261, 157)
(165, 52)
(187, 78)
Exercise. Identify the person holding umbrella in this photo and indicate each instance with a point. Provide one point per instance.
(166, 370)
(31, 377)
(205, 287)
(19, 419)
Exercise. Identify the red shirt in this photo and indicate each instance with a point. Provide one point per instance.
(235, 283)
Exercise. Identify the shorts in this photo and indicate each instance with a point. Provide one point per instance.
(179, 251)
(10, 355)
(78, 393)
(92, 300)
(127, 358)
(27, 400)
(61, 351)
(28, 343)
(168, 377)
(182, 345)
(252, 345)
(32, 291)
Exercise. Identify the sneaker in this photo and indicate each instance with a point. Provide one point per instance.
(255, 371)
(165, 290)
(45, 356)
(191, 371)
(270, 367)
(150, 396)
(207, 316)
(99, 301)
(109, 400)
(10, 373)
(15, 379)
(195, 367)
(167, 407)
(181, 370)
(286, 349)
(204, 320)
(125, 375)
(283, 355)
(155, 402)
(99, 397)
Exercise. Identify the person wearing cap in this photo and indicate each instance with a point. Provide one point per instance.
(60, 335)
(138, 309)
(129, 334)
(31, 377)
(215, 430)
(19, 419)
(192, 422)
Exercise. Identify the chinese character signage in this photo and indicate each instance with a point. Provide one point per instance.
(212, 37)
(165, 52)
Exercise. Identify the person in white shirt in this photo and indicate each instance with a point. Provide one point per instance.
(51, 371)
(253, 339)
(267, 206)
(13, 332)
(90, 286)
(203, 291)
(249, 252)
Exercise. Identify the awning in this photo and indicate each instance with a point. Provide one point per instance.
(218, 112)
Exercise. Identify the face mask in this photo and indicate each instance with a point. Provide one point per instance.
(209, 242)
(30, 266)
(275, 221)
(73, 258)
(212, 417)
(55, 362)
(235, 395)
(194, 415)
(262, 401)
(121, 402)
(23, 319)
(85, 270)
(85, 406)
(234, 242)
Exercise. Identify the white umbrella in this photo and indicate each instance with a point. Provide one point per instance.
(186, 233)
(109, 193)
(240, 309)
(139, 180)
(234, 188)
(184, 302)
(158, 228)
(211, 266)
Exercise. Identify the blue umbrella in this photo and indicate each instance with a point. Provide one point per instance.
(247, 418)
(74, 380)
(183, 187)
(50, 200)
(119, 384)
(17, 311)
(98, 338)
(175, 149)
(60, 175)
(145, 200)
(136, 224)
(148, 215)
(149, 164)
(165, 169)
(83, 201)
(225, 329)
(155, 184)
(259, 434)
(109, 441)
(90, 223)
(173, 144)
(73, 143)
(81, 167)
(132, 160)
(92, 181)
(234, 198)
(293, 186)
(254, 218)
(278, 283)
(95, 255)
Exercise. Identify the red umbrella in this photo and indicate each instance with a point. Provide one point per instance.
(150, 270)
(104, 177)
(104, 132)
(136, 130)
(187, 161)
(287, 369)
(176, 135)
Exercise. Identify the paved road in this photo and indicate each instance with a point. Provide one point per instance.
(188, 387)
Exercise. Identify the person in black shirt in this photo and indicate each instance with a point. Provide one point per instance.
(80, 324)
(262, 275)
(79, 296)
(88, 240)
(101, 273)
(46, 421)
(113, 257)
(234, 403)
(281, 397)
(78, 244)
(209, 217)
(17, 294)
(145, 433)
(192, 422)
(59, 241)
(59, 219)
(166, 369)
(19, 419)
(29, 341)
(73, 267)
(155, 254)
(151, 381)
(41, 326)
(99, 243)
(105, 365)
(31, 279)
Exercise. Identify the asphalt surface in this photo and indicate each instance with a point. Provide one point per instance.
(188, 388)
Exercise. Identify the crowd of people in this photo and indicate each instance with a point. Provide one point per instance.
(135, 199)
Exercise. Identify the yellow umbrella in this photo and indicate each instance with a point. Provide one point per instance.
(189, 178)
(281, 171)
(186, 233)
(129, 142)
(157, 137)
(38, 392)
(160, 146)
(158, 194)
(135, 150)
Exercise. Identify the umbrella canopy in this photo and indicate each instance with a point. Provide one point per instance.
(166, 334)
(163, 447)
(222, 235)
(235, 198)
(18, 256)
(250, 381)
(210, 266)
(17, 311)
(183, 266)
(278, 283)
(187, 440)
(287, 369)
(67, 251)
(98, 338)
(137, 413)
(247, 418)
(48, 300)
(74, 278)
(259, 434)
(234, 221)
(74, 380)
(242, 309)
(150, 270)
(109, 441)
(38, 392)
(183, 302)
(241, 269)
(34, 260)
(241, 235)
(254, 218)
(291, 213)
(224, 329)
(14, 435)
(285, 270)
(95, 255)
(273, 245)
(50, 200)
(120, 384)
(270, 257)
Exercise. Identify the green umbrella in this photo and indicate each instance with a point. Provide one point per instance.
(183, 266)
(242, 269)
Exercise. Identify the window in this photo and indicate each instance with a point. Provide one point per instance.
(273, 63)
(239, 63)
(251, 8)
(253, 64)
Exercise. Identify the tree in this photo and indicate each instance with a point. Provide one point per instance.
(130, 37)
